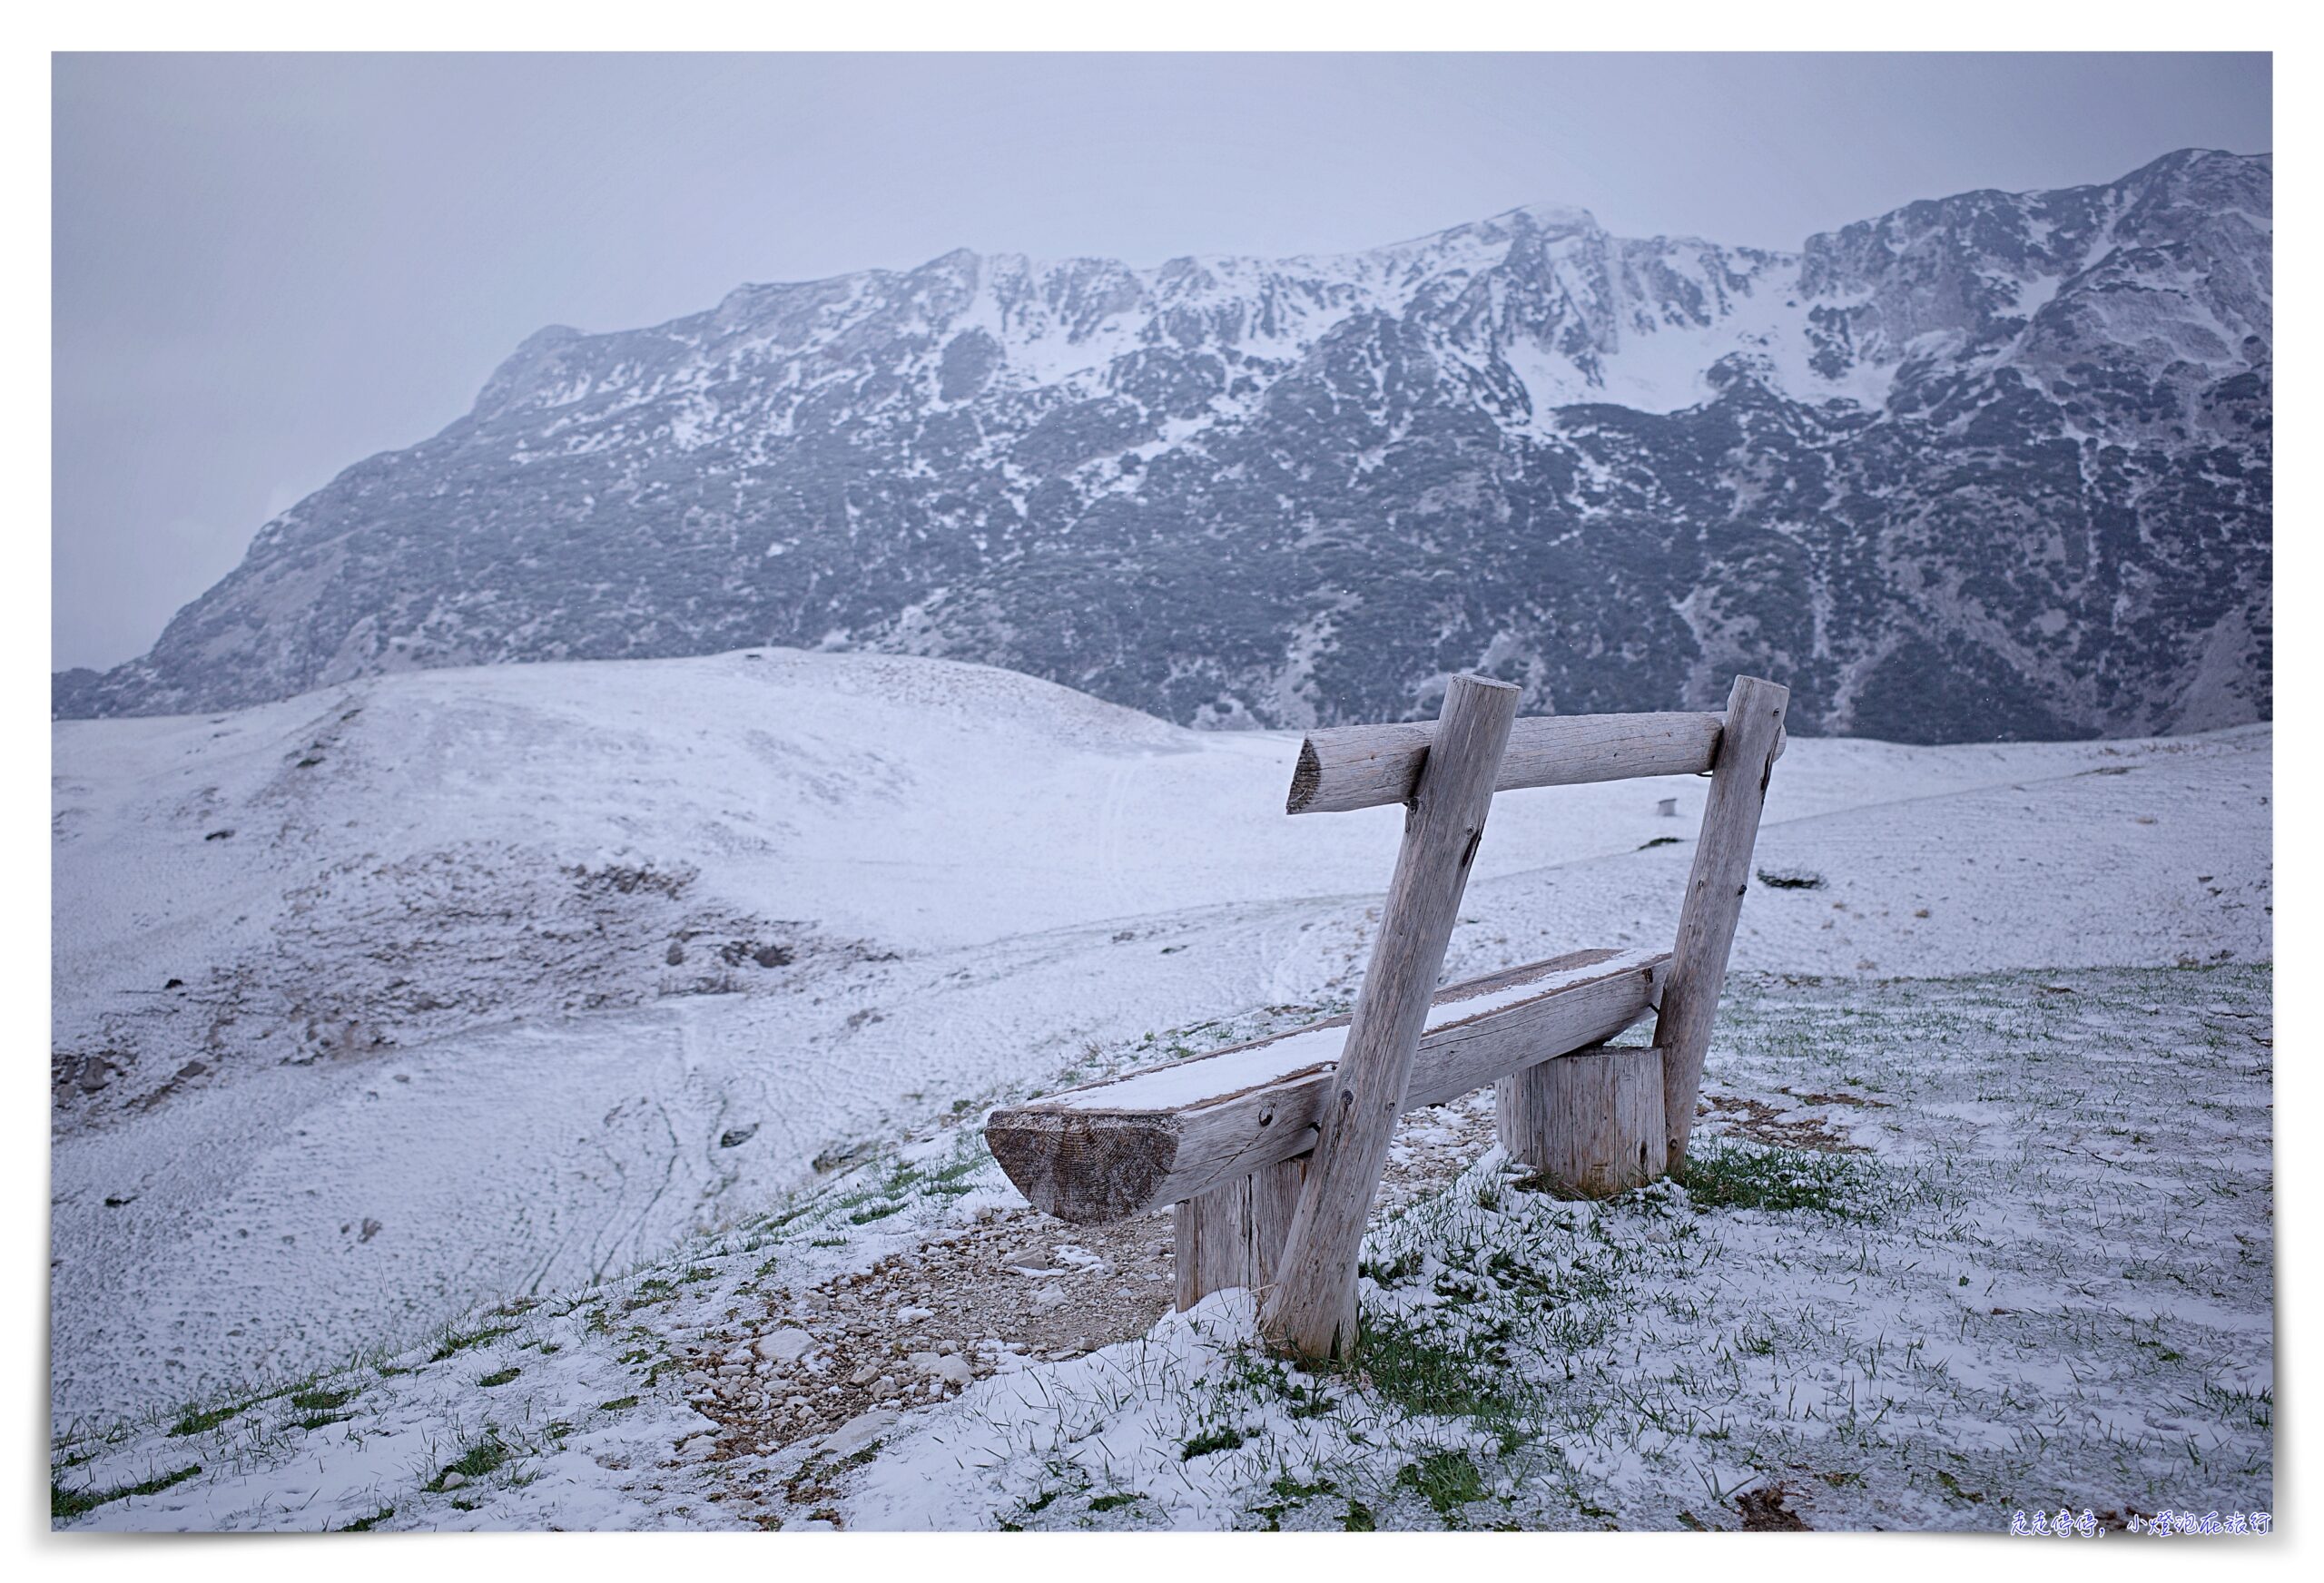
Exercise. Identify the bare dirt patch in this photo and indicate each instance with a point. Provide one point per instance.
(1763, 1123)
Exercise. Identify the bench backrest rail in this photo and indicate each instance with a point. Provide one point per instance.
(1367, 766)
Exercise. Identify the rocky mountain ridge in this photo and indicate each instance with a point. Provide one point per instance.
(1988, 466)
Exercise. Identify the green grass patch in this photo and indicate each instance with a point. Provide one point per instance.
(619, 1405)
(366, 1524)
(1113, 1502)
(321, 1401)
(201, 1423)
(1720, 1174)
(1447, 1480)
(480, 1460)
(454, 1345)
(498, 1377)
(1434, 1376)
(1211, 1439)
(1290, 1494)
(64, 1504)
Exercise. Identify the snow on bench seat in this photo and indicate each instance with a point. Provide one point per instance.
(1139, 1142)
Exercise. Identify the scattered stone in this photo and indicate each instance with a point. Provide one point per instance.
(1049, 1296)
(858, 1432)
(675, 955)
(839, 1156)
(787, 1345)
(735, 1136)
(452, 1480)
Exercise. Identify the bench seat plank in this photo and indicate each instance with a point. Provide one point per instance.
(1131, 1144)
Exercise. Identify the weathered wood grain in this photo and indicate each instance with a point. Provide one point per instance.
(1366, 766)
(1591, 1123)
(1311, 1308)
(1232, 1234)
(1748, 746)
(1133, 1143)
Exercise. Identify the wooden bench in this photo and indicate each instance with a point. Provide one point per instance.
(1271, 1151)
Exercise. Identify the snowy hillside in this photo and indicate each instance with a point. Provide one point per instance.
(1990, 465)
(454, 987)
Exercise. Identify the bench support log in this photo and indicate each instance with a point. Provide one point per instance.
(1591, 1123)
(1748, 746)
(1233, 1236)
(1312, 1308)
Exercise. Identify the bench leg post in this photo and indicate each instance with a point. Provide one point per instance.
(1232, 1234)
(1589, 1124)
(1748, 745)
(1312, 1309)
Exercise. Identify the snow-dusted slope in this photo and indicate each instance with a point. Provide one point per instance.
(386, 999)
(2020, 442)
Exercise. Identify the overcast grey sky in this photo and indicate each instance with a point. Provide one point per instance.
(270, 266)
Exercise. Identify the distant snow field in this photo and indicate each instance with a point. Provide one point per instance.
(509, 986)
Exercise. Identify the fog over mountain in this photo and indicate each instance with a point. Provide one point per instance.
(1988, 466)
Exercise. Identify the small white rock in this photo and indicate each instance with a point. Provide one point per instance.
(858, 1432)
(913, 1315)
(1049, 1296)
(787, 1345)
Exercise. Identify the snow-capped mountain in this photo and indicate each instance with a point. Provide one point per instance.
(1989, 466)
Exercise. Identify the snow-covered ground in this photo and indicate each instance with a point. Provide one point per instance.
(507, 982)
